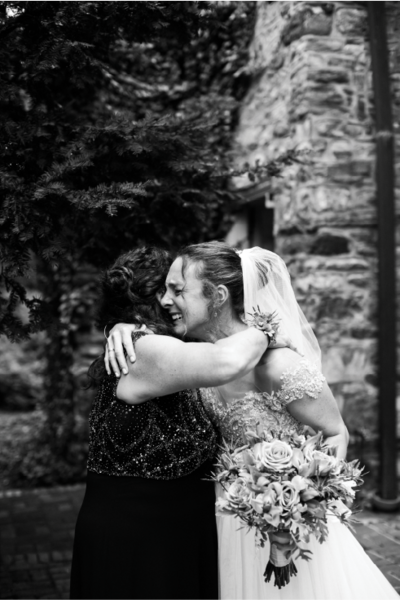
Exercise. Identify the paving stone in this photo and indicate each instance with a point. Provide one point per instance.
(22, 587)
(40, 575)
(36, 560)
(44, 557)
(57, 556)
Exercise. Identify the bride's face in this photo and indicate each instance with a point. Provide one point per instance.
(185, 302)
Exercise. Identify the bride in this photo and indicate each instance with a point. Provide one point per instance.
(285, 390)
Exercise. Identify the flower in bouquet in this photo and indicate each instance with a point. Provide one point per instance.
(238, 494)
(286, 487)
(275, 455)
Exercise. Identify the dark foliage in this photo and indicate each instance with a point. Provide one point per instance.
(116, 120)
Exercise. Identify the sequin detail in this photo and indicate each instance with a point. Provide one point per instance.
(269, 410)
(163, 438)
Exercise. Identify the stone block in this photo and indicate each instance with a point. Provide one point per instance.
(355, 129)
(312, 205)
(338, 306)
(351, 22)
(318, 24)
(281, 129)
(306, 22)
(327, 245)
(353, 2)
(364, 243)
(351, 171)
(345, 264)
(320, 45)
(327, 125)
(362, 280)
(341, 150)
(295, 244)
(331, 5)
(321, 98)
(328, 75)
(346, 61)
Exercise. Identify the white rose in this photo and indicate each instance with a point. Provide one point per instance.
(238, 493)
(275, 455)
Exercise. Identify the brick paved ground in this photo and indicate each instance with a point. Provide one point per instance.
(36, 533)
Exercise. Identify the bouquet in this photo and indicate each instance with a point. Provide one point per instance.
(286, 486)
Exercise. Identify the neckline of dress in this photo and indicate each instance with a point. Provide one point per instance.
(227, 406)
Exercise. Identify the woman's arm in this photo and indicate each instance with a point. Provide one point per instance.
(321, 413)
(120, 337)
(120, 340)
(165, 365)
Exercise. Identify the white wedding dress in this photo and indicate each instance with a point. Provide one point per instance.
(339, 569)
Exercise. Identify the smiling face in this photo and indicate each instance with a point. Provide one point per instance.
(185, 301)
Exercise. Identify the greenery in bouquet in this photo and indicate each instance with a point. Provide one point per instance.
(286, 487)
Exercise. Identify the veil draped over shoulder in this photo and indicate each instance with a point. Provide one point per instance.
(267, 285)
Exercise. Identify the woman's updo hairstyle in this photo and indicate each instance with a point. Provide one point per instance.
(130, 288)
(129, 292)
(216, 264)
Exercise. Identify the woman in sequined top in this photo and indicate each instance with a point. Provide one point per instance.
(151, 446)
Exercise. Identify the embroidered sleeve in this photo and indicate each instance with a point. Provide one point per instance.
(304, 379)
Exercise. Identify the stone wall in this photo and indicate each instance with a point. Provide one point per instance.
(313, 89)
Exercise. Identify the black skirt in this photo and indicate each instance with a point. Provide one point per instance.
(146, 538)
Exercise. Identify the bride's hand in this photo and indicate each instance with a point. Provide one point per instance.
(119, 344)
(270, 325)
(339, 442)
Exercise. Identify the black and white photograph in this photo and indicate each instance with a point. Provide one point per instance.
(199, 275)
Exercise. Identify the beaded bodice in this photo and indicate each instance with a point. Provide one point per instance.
(268, 409)
(163, 438)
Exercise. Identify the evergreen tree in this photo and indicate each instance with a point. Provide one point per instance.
(116, 119)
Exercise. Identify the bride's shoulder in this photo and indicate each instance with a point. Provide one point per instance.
(280, 363)
(279, 359)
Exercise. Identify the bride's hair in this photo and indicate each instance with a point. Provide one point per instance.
(129, 295)
(216, 264)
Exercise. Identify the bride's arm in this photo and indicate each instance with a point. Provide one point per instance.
(307, 396)
(165, 365)
(322, 414)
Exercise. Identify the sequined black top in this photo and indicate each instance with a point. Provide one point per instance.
(163, 438)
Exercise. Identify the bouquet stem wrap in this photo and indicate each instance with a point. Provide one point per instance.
(280, 562)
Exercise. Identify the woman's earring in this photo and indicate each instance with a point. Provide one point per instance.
(215, 314)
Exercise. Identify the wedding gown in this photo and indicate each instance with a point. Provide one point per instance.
(339, 569)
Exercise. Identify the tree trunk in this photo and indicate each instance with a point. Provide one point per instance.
(59, 379)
